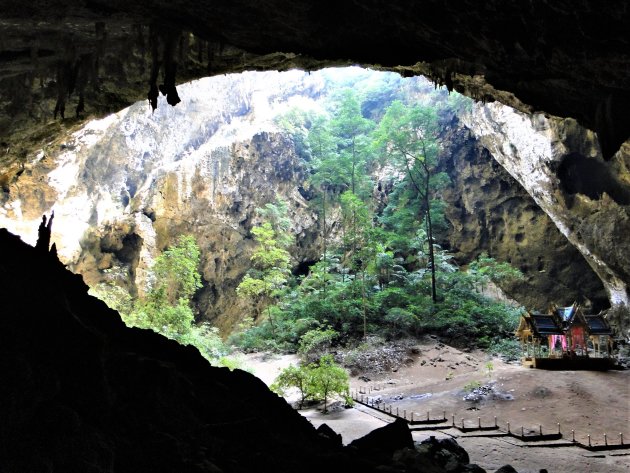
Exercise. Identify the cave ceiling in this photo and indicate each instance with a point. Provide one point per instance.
(62, 62)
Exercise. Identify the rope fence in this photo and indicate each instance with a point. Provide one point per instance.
(419, 421)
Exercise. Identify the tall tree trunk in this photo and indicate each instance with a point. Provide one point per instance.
(431, 254)
(427, 203)
(363, 301)
(324, 234)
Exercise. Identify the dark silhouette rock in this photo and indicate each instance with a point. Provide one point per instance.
(383, 442)
(330, 435)
(506, 469)
(436, 456)
(43, 234)
(82, 392)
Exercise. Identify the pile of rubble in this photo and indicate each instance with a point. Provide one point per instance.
(376, 356)
(487, 391)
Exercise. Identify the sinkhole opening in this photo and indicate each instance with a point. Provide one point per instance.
(299, 211)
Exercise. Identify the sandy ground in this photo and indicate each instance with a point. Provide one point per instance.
(584, 401)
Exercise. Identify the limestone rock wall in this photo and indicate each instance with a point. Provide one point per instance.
(124, 187)
(560, 165)
(489, 211)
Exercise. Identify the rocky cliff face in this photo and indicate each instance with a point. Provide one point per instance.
(82, 392)
(560, 165)
(490, 211)
(124, 187)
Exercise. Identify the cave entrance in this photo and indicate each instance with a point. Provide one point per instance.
(335, 169)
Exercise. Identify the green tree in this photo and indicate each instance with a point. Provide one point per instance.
(166, 307)
(270, 260)
(315, 381)
(315, 341)
(295, 377)
(175, 278)
(326, 175)
(351, 131)
(485, 269)
(409, 135)
(330, 379)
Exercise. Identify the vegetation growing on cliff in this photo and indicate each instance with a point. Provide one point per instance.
(380, 269)
(166, 306)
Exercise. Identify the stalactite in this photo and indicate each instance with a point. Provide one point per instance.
(63, 73)
(170, 68)
(155, 68)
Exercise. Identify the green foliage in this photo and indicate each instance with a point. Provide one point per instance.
(489, 369)
(315, 341)
(270, 272)
(400, 322)
(295, 377)
(485, 269)
(381, 269)
(315, 381)
(166, 307)
(468, 387)
(207, 340)
(156, 313)
(508, 348)
(175, 271)
(329, 379)
(114, 296)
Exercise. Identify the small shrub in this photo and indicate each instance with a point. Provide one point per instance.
(508, 348)
(472, 386)
(489, 369)
(314, 342)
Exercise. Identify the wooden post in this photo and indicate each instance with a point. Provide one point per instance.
(462, 422)
(479, 421)
(572, 435)
(621, 437)
(589, 440)
(427, 415)
(540, 427)
(522, 431)
(558, 427)
(444, 415)
(508, 426)
(605, 439)
(495, 421)
(411, 416)
(453, 420)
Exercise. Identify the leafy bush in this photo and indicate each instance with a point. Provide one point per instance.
(316, 341)
(166, 308)
(315, 381)
(507, 348)
(400, 322)
(472, 386)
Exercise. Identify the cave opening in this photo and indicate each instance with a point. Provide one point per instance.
(176, 167)
(591, 177)
(284, 213)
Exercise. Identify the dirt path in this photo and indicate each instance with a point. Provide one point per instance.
(588, 402)
(585, 401)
